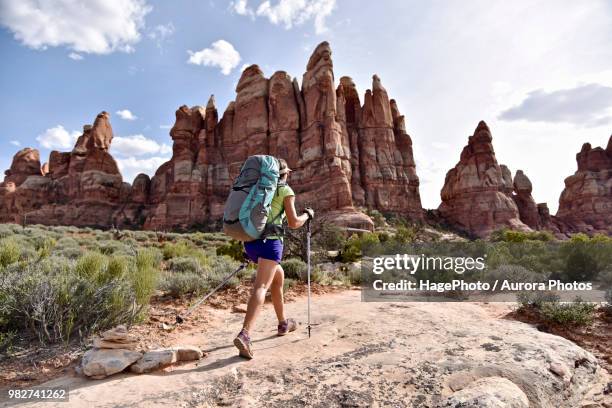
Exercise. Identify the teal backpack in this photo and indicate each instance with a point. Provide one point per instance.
(249, 202)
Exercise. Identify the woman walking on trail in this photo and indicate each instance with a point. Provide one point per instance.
(267, 253)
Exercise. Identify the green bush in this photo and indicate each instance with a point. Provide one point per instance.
(288, 284)
(578, 313)
(144, 277)
(180, 284)
(55, 298)
(508, 235)
(513, 273)
(405, 235)
(355, 245)
(184, 264)
(295, 269)
(9, 252)
(91, 265)
(233, 249)
(175, 250)
(536, 299)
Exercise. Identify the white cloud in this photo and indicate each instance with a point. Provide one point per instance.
(165, 126)
(58, 138)
(94, 26)
(240, 7)
(130, 167)
(290, 12)
(126, 114)
(15, 142)
(75, 56)
(221, 54)
(137, 145)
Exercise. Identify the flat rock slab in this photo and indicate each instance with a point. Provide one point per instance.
(100, 363)
(363, 355)
(154, 360)
(188, 353)
(106, 344)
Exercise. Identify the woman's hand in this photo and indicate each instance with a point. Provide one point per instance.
(294, 221)
(310, 212)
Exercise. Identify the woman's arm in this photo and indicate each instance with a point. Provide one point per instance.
(293, 220)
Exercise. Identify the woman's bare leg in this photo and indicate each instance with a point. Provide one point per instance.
(266, 270)
(277, 293)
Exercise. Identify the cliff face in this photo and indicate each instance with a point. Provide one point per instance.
(586, 202)
(344, 155)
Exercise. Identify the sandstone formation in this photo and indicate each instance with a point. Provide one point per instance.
(83, 187)
(586, 202)
(477, 192)
(344, 155)
(528, 209)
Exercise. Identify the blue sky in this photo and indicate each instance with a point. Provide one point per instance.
(539, 72)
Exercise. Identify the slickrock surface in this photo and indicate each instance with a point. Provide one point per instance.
(364, 355)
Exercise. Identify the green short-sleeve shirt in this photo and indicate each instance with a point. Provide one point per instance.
(277, 206)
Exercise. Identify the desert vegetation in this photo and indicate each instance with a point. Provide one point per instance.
(59, 284)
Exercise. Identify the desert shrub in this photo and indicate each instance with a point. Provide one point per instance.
(288, 284)
(55, 298)
(91, 265)
(209, 277)
(377, 217)
(184, 264)
(220, 266)
(9, 252)
(295, 269)
(180, 284)
(331, 274)
(6, 340)
(508, 235)
(69, 252)
(536, 299)
(8, 230)
(233, 249)
(513, 273)
(577, 313)
(110, 247)
(605, 278)
(329, 238)
(29, 254)
(178, 249)
(145, 276)
(355, 245)
(405, 234)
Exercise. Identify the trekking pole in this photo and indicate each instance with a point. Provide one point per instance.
(308, 259)
(180, 319)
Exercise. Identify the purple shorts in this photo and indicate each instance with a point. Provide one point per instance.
(271, 249)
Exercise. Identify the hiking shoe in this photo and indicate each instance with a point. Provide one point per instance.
(287, 326)
(243, 344)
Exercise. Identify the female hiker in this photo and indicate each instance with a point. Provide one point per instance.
(267, 253)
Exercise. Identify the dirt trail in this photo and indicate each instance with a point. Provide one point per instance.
(363, 354)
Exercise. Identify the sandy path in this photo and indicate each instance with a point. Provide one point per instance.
(360, 354)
